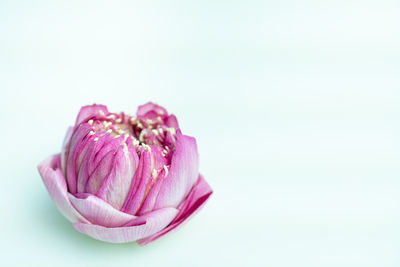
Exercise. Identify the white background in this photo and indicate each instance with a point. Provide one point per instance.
(294, 104)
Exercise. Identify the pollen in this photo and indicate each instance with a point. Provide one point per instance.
(90, 122)
(146, 147)
(166, 170)
(171, 130)
(107, 124)
(101, 112)
(91, 133)
(119, 120)
(141, 135)
(135, 142)
(96, 139)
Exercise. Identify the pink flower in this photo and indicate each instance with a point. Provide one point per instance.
(121, 178)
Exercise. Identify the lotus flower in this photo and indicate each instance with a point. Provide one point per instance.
(121, 178)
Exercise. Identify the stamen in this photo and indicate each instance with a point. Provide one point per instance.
(171, 130)
(135, 142)
(146, 147)
(107, 124)
(141, 135)
(166, 170)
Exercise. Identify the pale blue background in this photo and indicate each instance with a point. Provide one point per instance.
(295, 106)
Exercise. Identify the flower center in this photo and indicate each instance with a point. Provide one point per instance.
(154, 133)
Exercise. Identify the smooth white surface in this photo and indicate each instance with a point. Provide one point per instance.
(295, 106)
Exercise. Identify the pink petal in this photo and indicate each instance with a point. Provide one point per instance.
(150, 200)
(115, 187)
(77, 149)
(143, 227)
(172, 121)
(148, 107)
(57, 188)
(138, 188)
(99, 212)
(97, 163)
(65, 149)
(88, 112)
(196, 199)
(182, 174)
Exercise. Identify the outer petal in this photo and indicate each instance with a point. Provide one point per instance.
(77, 149)
(57, 188)
(99, 212)
(88, 112)
(196, 199)
(65, 148)
(182, 174)
(144, 226)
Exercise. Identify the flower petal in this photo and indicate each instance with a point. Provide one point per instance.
(77, 149)
(143, 227)
(150, 200)
(65, 149)
(90, 111)
(57, 188)
(115, 187)
(196, 199)
(149, 107)
(98, 211)
(182, 174)
(140, 182)
(172, 121)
